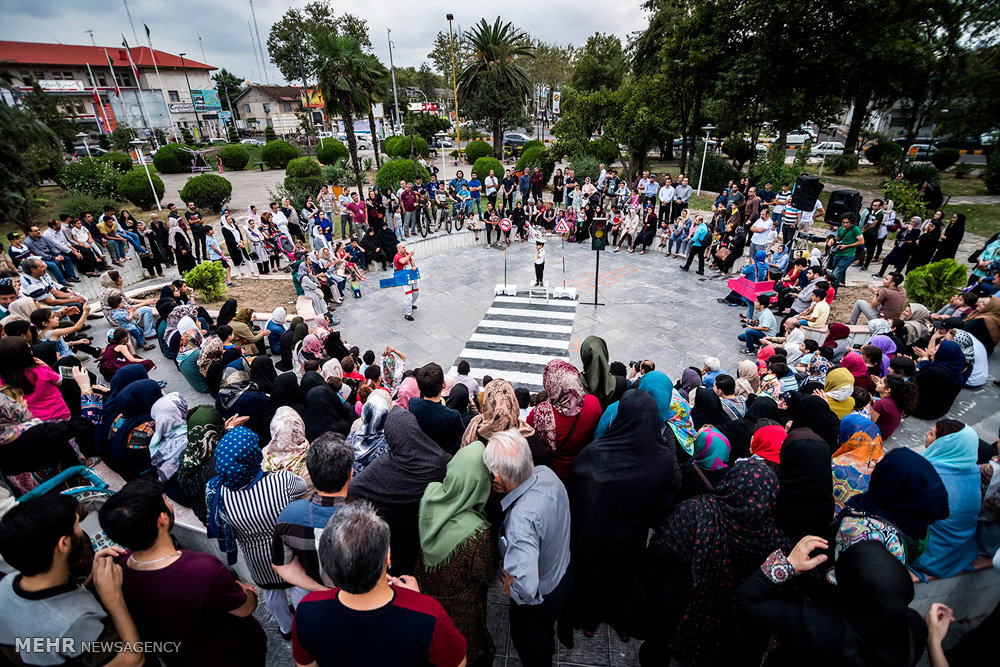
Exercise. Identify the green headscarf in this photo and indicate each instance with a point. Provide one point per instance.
(597, 377)
(453, 510)
(205, 427)
(300, 328)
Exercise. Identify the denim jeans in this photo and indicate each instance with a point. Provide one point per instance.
(147, 321)
(752, 338)
(477, 203)
(685, 245)
(133, 240)
(57, 270)
(840, 265)
(675, 244)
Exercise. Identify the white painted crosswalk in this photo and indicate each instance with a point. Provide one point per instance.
(517, 337)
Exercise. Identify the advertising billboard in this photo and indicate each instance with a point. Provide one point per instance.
(206, 100)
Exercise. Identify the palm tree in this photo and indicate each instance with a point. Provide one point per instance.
(494, 70)
(340, 69)
(375, 83)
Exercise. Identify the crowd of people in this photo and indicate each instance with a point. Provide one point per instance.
(722, 518)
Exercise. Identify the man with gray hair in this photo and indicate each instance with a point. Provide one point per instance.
(534, 545)
(370, 618)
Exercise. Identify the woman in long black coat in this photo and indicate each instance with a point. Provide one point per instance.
(927, 242)
(951, 238)
(162, 240)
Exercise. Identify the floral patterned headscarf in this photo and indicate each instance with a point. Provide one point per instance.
(561, 381)
(500, 413)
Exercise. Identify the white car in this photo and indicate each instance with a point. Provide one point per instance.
(798, 137)
(826, 148)
(253, 142)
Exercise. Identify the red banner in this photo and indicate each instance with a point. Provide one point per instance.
(109, 119)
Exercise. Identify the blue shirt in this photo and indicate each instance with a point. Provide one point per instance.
(458, 183)
(475, 183)
(700, 233)
(214, 251)
(525, 183)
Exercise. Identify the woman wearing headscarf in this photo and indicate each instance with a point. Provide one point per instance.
(395, 483)
(951, 237)
(285, 392)
(708, 466)
(243, 506)
(953, 448)
(620, 486)
(334, 346)
(325, 412)
(765, 445)
(747, 380)
(501, 412)
(916, 322)
(684, 603)
(127, 429)
(867, 622)
(245, 335)
(460, 401)
(311, 350)
(706, 408)
(178, 243)
(258, 238)
(939, 381)
(213, 377)
(170, 438)
(814, 413)
(860, 450)
(566, 419)
(839, 390)
(205, 427)
(238, 396)
(288, 447)
(740, 432)
(262, 374)
(984, 324)
(457, 560)
(596, 377)
(226, 313)
(927, 242)
(888, 347)
(805, 488)
(19, 310)
(691, 380)
(905, 496)
(211, 351)
(275, 328)
(836, 339)
(856, 366)
(236, 242)
(368, 439)
(288, 341)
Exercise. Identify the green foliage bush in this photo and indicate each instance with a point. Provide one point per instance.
(918, 172)
(585, 165)
(906, 199)
(945, 157)
(537, 157)
(739, 150)
(277, 154)
(336, 173)
(992, 172)
(104, 142)
(477, 149)
(186, 136)
(233, 135)
(269, 134)
(394, 171)
(207, 191)
(962, 170)
(329, 151)
(120, 161)
(718, 171)
(95, 177)
(603, 149)
(890, 148)
(234, 157)
(134, 187)
(532, 144)
(483, 165)
(209, 278)
(771, 167)
(304, 173)
(843, 164)
(933, 284)
(172, 159)
(399, 147)
(77, 203)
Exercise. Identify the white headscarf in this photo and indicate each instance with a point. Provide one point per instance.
(279, 316)
(187, 324)
(170, 438)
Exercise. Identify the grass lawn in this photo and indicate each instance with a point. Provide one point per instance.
(866, 179)
(982, 219)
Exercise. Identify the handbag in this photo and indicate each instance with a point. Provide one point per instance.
(254, 256)
(722, 254)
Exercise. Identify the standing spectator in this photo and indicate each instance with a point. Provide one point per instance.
(507, 187)
(848, 239)
(370, 618)
(558, 189)
(178, 595)
(293, 550)
(327, 202)
(666, 198)
(682, 195)
(537, 183)
(198, 231)
(649, 189)
(475, 195)
(571, 187)
(524, 186)
(438, 422)
(358, 216)
(41, 538)
(700, 239)
(345, 213)
(871, 228)
(534, 545)
(408, 200)
(760, 230)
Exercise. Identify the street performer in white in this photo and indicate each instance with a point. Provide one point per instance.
(404, 260)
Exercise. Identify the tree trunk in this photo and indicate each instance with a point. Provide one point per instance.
(352, 145)
(371, 124)
(668, 148)
(498, 139)
(685, 137)
(861, 100)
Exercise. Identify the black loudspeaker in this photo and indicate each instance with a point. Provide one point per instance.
(841, 202)
(806, 192)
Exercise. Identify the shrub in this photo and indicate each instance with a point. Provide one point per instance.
(477, 149)
(843, 164)
(394, 171)
(585, 165)
(304, 173)
(718, 170)
(161, 137)
(209, 191)
(603, 149)
(172, 159)
(233, 135)
(962, 169)
(93, 176)
(399, 147)
(771, 167)
(209, 278)
(918, 172)
(890, 148)
(944, 158)
(933, 284)
(991, 175)
(186, 136)
(906, 199)
(739, 150)
(134, 187)
(484, 164)
(269, 134)
(336, 174)
(234, 157)
(104, 142)
(532, 144)
(536, 157)
(277, 154)
(77, 203)
(120, 161)
(329, 151)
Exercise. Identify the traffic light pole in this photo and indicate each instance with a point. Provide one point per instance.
(597, 277)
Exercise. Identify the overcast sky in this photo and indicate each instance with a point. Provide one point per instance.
(222, 24)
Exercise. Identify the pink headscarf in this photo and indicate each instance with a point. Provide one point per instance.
(855, 363)
(565, 391)
(407, 389)
(313, 345)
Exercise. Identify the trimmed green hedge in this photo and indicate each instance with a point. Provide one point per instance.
(120, 161)
(304, 173)
(477, 149)
(944, 158)
(94, 177)
(394, 171)
(532, 144)
(208, 191)
(536, 157)
(330, 150)
(585, 165)
(134, 187)
(234, 157)
(399, 147)
(277, 154)
(172, 159)
(890, 148)
(603, 149)
(484, 164)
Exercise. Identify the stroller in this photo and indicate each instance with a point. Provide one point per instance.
(285, 245)
(89, 490)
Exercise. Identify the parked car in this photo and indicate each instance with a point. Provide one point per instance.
(218, 140)
(515, 139)
(922, 152)
(799, 137)
(95, 150)
(253, 142)
(826, 148)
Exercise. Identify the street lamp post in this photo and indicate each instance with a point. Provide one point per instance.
(454, 88)
(138, 149)
(392, 70)
(707, 130)
(190, 94)
(83, 135)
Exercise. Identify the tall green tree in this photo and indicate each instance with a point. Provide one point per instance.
(601, 63)
(229, 86)
(441, 54)
(972, 103)
(341, 69)
(375, 82)
(493, 85)
(52, 111)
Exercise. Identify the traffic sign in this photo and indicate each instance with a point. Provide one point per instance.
(562, 227)
(505, 224)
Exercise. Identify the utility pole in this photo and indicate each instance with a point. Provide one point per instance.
(392, 70)
(260, 44)
(454, 89)
(190, 94)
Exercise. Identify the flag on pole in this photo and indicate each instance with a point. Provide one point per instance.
(97, 101)
(111, 66)
(128, 53)
(149, 40)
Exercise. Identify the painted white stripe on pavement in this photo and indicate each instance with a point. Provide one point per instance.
(521, 341)
(514, 377)
(534, 302)
(529, 326)
(520, 357)
(551, 314)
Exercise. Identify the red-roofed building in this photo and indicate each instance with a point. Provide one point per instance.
(62, 70)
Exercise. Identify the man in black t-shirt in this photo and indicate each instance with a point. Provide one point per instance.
(198, 230)
(508, 184)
